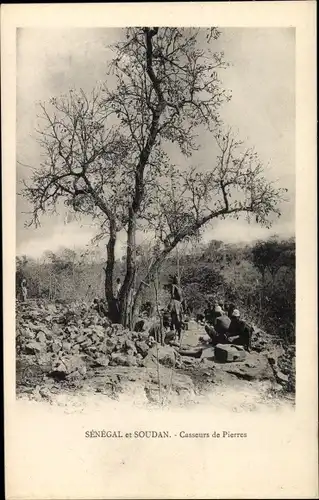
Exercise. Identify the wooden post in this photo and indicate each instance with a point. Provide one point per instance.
(161, 336)
(157, 309)
(177, 267)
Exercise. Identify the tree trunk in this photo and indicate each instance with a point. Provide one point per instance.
(109, 269)
(154, 268)
(127, 290)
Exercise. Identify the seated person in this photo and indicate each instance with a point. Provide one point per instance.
(219, 329)
(239, 331)
(221, 322)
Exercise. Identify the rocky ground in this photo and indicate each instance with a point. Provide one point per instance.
(70, 350)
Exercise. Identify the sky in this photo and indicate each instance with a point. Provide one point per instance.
(261, 78)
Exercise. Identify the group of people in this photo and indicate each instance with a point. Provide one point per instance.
(227, 327)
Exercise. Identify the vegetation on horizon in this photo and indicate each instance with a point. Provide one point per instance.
(259, 278)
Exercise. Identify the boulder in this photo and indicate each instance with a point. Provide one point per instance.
(131, 360)
(76, 375)
(129, 346)
(131, 353)
(208, 353)
(56, 346)
(26, 333)
(139, 325)
(166, 355)
(274, 355)
(254, 367)
(55, 330)
(86, 344)
(102, 361)
(80, 339)
(66, 346)
(117, 329)
(41, 337)
(99, 330)
(139, 359)
(34, 347)
(110, 344)
(189, 361)
(39, 328)
(118, 358)
(281, 377)
(44, 360)
(69, 364)
(142, 336)
(95, 338)
(45, 393)
(142, 348)
(227, 353)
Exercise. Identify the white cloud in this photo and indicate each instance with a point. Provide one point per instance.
(68, 236)
(237, 231)
(75, 236)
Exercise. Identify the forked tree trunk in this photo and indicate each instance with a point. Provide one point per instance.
(148, 279)
(109, 270)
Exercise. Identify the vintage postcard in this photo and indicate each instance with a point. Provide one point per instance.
(159, 214)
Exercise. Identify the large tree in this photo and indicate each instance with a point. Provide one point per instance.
(107, 155)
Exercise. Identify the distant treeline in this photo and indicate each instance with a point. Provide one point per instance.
(258, 278)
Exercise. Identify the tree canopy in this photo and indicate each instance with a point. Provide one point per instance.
(105, 154)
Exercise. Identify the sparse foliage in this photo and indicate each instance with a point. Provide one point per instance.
(106, 154)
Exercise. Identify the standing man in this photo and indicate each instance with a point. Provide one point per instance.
(117, 288)
(24, 289)
(115, 309)
(176, 293)
(176, 308)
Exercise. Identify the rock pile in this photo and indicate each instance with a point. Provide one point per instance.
(66, 340)
(74, 343)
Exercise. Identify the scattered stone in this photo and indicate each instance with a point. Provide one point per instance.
(80, 339)
(131, 360)
(27, 334)
(66, 346)
(56, 346)
(67, 343)
(102, 361)
(44, 360)
(118, 358)
(41, 338)
(117, 328)
(86, 344)
(281, 378)
(189, 361)
(45, 393)
(142, 348)
(130, 345)
(34, 347)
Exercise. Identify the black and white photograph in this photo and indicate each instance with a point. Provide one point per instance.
(155, 215)
(159, 205)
